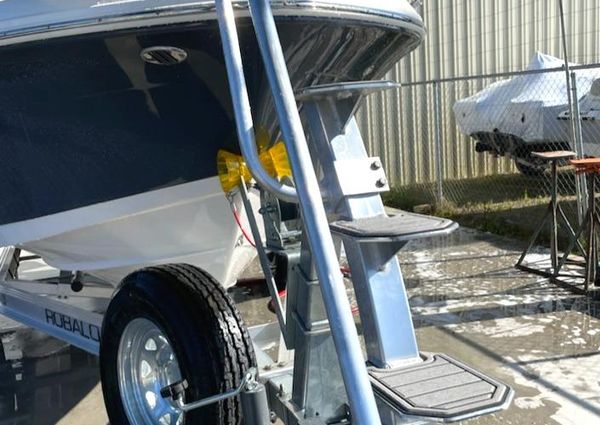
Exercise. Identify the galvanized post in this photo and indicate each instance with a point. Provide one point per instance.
(437, 116)
(581, 186)
(255, 407)
(567, 68)
(579, 181)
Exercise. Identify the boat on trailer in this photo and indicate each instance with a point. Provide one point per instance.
(113, 113)
(138, 132)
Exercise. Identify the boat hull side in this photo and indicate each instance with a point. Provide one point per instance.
(84, 120)
(190, 223)
(91, 133)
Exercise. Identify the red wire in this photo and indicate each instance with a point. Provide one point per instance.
(236, 215)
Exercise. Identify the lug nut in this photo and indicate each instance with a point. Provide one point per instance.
(382, 182)
(376, 165)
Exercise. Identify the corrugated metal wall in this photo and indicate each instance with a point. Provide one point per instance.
(467, 38)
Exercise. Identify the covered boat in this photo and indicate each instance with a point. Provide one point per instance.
(112, 114)
(517, 116)
(589, 112)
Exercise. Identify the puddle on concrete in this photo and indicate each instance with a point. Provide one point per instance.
(539, 338)
(41, 378)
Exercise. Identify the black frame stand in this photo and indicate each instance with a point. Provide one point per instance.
(590, 225)
(554, 214)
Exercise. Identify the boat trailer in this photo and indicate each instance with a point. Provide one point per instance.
(337, 189)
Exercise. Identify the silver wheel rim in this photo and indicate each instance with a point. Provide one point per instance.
(147, 363)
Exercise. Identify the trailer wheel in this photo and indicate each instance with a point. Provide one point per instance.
(167, 324)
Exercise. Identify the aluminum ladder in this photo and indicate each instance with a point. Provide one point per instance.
(352, 182)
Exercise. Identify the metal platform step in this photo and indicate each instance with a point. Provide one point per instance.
(441, 388)
(403, 226)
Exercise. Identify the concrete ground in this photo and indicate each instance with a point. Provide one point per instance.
(467, 301)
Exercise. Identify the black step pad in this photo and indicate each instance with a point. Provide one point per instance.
(400, 227)
(440, 387)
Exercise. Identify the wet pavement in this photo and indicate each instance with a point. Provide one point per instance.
(470, 302)
(45, 381)
(467, 299)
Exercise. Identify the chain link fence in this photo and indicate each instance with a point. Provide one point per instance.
(463, 140)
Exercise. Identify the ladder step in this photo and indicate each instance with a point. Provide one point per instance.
(440, 387)
(403, 226)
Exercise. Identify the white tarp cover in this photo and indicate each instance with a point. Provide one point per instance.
(526, 106)
(589, 105)
(589, 111)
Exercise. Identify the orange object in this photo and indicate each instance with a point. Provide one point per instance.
(586, 165)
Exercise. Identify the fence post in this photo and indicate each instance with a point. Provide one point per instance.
(573, 100)
(582, 199)
(566, 66)
(437, 116)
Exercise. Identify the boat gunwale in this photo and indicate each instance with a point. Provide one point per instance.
(198, 13)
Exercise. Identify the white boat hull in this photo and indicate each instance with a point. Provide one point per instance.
(190, 223)
(91, 137)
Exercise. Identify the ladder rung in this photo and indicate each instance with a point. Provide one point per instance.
(344, 90)
(440, 387)
(403, 226)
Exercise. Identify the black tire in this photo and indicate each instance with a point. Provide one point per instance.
(205, 329)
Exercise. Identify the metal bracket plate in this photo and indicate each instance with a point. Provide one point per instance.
(361, 176)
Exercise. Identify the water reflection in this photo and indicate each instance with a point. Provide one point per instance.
(41, 378)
